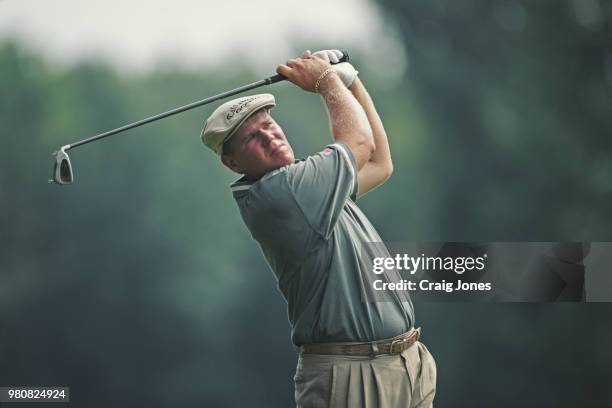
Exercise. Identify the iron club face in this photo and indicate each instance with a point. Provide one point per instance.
(62, 169)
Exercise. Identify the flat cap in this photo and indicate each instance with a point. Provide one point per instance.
(227, 119)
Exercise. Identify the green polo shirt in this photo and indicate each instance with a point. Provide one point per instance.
(310, 230)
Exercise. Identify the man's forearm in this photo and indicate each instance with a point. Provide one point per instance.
(348, 119)
(382, 155)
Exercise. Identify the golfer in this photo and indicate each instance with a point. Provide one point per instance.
(352, 353)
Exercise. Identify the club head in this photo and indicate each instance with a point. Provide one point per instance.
(62, 169)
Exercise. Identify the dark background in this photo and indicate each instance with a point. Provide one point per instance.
(139, 285)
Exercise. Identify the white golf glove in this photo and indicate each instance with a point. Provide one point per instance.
(345, 70)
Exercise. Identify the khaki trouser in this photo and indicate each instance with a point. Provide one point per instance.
(387, 381)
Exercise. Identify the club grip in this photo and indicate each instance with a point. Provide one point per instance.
(278, 77)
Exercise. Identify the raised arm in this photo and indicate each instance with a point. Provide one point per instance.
(348, 119)
(380, 167)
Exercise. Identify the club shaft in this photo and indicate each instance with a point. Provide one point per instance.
(267, 81)
(180, 109)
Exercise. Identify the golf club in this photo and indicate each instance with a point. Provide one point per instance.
(62, 170)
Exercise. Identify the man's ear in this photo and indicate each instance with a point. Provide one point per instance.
(231, 163)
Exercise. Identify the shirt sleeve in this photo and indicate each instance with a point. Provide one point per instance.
(322, 183)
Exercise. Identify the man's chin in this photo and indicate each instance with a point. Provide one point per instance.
(283, 157)
(286, 160)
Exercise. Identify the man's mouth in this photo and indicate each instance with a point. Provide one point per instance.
(276, 149)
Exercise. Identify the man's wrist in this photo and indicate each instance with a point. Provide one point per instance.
(328, 83)
(322, 77)
(356, 86)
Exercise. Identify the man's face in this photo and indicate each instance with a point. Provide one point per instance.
(259, 146)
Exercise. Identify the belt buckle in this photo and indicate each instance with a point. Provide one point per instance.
(397, 342)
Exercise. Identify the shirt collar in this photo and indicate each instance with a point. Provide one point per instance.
(243, 184)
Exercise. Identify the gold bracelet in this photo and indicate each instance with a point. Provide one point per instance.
(321, 77)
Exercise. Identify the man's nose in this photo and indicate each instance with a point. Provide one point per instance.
(267, 136)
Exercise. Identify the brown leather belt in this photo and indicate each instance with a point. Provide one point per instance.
(393, 345)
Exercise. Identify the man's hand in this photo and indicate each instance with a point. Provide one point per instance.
(331, 56)
(345, 70)
(305, 71)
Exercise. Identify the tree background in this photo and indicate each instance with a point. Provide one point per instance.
(139, 285)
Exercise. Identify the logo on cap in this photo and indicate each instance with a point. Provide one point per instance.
(239, 107)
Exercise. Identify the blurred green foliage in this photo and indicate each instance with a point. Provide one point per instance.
(516, 99)
(139, 285)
